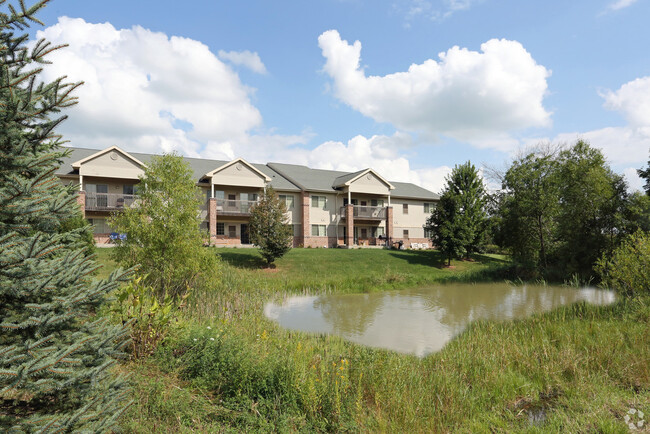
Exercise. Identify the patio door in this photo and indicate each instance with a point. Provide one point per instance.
(244, 235)
(356, 235)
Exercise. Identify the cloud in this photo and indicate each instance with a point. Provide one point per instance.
(146, 91)
(245, 58)
(627, 144)
(620, 4)
(634, 181)
(476, 97)
(426, 9)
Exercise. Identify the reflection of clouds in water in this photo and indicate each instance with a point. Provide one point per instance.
(422, 320)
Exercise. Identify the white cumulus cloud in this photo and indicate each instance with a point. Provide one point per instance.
(245, 58)
(477, 97)
(146, 91)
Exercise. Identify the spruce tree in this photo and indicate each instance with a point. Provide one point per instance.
(458, 222)
(55, 354)
(269, 227)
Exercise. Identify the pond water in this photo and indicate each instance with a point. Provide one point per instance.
(421, 321)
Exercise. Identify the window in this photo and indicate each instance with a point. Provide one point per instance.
(318, 202)
(428, 233)
(405, 208)
(364, 233)
(406, 233)
(219, 194)
(318, 230)
(428, 207)
(128, 189)
(221, 228)
(252, 197)
(100, 226)
(287, 199)
(377, 202)
(232, 231)
(379, 232)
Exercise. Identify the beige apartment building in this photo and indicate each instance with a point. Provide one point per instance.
(326, 208)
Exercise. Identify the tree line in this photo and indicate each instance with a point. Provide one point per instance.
(558, 212)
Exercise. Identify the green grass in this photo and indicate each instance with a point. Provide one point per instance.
(226, 368)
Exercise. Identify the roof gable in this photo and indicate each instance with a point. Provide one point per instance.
(117, 150)
(347, 180)
(238, 172)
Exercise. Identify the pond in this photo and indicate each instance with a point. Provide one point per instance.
(421, 321)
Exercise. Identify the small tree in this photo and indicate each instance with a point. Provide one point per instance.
(55, 355)
(163, 235)
(626, 269)
(269, 227)
(457, 224)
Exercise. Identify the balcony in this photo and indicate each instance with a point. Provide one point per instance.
(108, 201)
(360, 212)
(234, 207)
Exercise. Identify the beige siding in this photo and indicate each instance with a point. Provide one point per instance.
(369, 184)
(327, 216)
(238, 174)
(111, 165)
(413, 221)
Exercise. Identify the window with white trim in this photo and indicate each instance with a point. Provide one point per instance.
(405, 208)
(288, 200)
(406, 233)
(318, 231)
(318, 202)
(429, 207)
(221, 228)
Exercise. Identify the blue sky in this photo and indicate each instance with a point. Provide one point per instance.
(285, 81)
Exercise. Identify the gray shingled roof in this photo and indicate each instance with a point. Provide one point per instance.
(323, 180)
(284, 177)
(345, 178)
(199, 167)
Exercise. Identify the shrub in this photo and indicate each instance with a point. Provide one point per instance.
(627, 268)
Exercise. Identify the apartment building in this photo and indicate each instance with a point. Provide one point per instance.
(326, 208)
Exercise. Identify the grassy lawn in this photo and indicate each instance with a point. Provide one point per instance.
(227, 368)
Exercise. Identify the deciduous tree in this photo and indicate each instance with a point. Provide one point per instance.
(163, 235)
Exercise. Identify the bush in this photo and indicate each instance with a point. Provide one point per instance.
(627, 268)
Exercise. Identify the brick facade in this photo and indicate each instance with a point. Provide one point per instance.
(212, 219)
(304, 214)
(81, 200)
(349, 225)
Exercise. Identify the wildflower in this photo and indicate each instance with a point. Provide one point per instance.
(209, 328)
(211, 339)
(195, 339)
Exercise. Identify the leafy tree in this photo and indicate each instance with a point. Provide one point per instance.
(163, 235)
(529, 208)
(592, 200)
(55, 356)
(457, 224)
(636, 215)
(626, 269)
(269, 228)
(645, 174)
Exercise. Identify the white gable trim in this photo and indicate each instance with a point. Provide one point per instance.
(242, 161)
(78, 164)
(381, 178)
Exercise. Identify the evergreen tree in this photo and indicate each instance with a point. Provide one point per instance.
(457, 224)
(269, 228)
(55, 356)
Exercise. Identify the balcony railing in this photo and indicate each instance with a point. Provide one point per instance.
(362, 212)
(108, 201)
(234, 207)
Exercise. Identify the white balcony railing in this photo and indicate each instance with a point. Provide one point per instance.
(234, 207)
(108, 201)
(366, 212)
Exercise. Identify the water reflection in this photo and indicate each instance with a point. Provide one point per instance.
(422, 320)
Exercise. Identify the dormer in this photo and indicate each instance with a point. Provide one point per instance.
(238, 173)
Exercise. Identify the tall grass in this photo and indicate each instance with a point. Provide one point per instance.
(578, 368)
